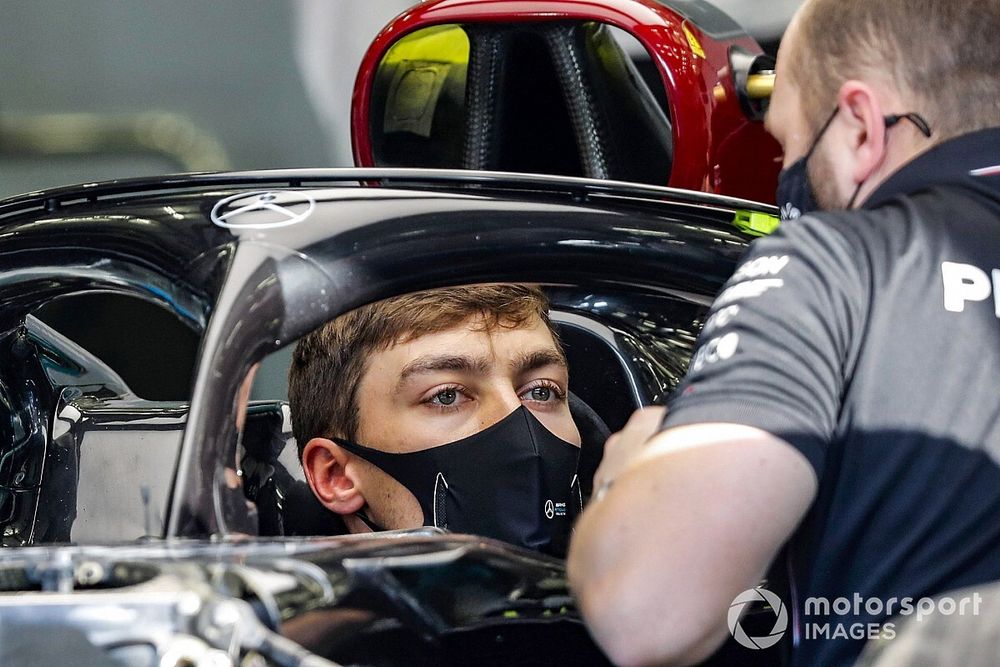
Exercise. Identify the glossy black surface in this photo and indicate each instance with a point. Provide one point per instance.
(636, 262)
(629, 269)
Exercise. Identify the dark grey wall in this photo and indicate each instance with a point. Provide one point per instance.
(228, 65)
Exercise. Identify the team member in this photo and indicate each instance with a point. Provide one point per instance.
(846, 389)
(447, 408)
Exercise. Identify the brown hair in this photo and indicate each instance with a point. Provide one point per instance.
(939, 54)
(329, 363)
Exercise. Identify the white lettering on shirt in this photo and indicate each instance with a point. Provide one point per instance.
(750, 289)
(762, 266)
(965, 283)
(717, 349)
(721, 318)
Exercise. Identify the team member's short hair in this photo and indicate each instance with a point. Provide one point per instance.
(941, 54)
(328, 364)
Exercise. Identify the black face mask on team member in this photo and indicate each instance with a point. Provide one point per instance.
(514, 481)
(795, 194)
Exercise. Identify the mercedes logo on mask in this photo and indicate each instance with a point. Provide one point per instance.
(550, 509)
(263, 210)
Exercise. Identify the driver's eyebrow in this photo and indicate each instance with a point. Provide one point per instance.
(430, 363)
(529, 361)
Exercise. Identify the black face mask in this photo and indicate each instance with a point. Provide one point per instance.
(514, 481)
(795, 194)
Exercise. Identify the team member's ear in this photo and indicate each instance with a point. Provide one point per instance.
(331, 476)
(862, 111)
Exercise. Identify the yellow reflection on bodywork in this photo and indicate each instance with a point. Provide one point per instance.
(442, 43)
(421, 63)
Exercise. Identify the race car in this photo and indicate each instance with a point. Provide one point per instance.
(246, 263)
(143, 526)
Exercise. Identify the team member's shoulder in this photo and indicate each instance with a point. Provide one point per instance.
(777, 344)
(853, 235)
(837, 249)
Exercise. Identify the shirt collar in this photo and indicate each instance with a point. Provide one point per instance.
(963, 159)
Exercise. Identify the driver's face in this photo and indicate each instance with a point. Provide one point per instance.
(446, 386)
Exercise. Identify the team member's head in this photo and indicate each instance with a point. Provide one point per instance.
(446, 407)
(862, 87)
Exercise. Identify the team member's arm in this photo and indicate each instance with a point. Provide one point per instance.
(695, 520)
(686, 521)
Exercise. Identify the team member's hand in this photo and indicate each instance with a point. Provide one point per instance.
(623, 447)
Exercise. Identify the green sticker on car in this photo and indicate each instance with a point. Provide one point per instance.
(756, 223)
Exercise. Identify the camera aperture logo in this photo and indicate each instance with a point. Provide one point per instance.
(751, 596)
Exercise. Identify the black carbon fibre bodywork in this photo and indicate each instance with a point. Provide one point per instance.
(630, 271)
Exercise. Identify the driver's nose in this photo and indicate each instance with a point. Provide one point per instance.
(499, 404)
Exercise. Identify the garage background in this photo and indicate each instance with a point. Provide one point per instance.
(113, 89)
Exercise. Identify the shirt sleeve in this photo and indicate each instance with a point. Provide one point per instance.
(778, 341)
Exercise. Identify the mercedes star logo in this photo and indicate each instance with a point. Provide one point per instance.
(263, 210)
(550, 509)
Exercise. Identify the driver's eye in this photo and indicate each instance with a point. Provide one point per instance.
(541, 394)
(446, 397)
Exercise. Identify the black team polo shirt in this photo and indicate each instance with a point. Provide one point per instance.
(870, 341)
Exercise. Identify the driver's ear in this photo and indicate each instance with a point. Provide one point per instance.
(333, 482)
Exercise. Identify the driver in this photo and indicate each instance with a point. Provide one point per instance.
(444, 408)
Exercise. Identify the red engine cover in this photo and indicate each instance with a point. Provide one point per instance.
(716, 147)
